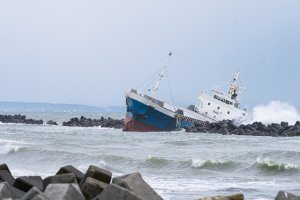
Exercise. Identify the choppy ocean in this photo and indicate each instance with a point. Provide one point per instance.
(177, 165)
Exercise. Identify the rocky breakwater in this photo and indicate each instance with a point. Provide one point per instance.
(227, 127)
(88, 122)
(19, 119)
(71, 184)
(96, 183)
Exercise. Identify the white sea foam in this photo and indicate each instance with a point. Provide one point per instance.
(268, 164)
(24, 172)
(274, 112)
(198, 163)
(10, 146)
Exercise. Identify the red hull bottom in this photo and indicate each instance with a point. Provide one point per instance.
(135, 126)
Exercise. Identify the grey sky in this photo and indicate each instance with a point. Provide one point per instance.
(90, 52)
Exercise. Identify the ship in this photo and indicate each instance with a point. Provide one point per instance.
(146, 113)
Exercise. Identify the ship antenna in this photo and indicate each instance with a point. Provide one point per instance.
(161, 75)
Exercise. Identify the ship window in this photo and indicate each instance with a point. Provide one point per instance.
(218, 108)
(208, 104)
(228, 112)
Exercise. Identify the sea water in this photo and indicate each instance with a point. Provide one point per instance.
(178, 165)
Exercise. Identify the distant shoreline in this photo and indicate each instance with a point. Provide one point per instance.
(7, 106)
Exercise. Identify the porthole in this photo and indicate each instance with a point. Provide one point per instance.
(208, 104)
(218, 108)
(228, 112)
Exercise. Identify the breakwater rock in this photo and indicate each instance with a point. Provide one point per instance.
(51, 122)
(88, 122)
(19, 119)
(227, 127)
(69, 183)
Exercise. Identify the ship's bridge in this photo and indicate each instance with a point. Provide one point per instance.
(220, 96)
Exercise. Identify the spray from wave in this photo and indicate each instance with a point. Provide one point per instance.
(274, 112)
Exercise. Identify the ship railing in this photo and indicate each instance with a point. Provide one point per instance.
(160, 103)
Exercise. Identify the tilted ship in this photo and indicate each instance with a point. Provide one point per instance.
(147, 113)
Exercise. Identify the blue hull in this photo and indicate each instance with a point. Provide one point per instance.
(141, 117)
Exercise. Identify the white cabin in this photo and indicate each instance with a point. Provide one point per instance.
(221, 106)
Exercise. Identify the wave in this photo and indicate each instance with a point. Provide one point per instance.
(268, 165)
(10, 146)
(156, 161)
(274, 112)
(213, 164)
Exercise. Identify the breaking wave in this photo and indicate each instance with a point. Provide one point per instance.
(275, 112)
(156, 161)
(269, 165)
(10, 146)
(213, 164)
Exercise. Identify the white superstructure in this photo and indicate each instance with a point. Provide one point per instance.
(220, 106)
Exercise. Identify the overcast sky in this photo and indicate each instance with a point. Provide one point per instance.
(91, 52)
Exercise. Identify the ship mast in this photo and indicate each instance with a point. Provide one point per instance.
(161, 75)
(234, 88)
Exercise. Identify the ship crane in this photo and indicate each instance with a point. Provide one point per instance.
(161, 75)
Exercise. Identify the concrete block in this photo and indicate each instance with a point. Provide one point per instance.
(62, 178)
(136, 184)
(4, 167)
(115, 192)
(6, 191)
(62, 191)
(25, 183)
(31, 194)
(97, 173)
(282, 195)
(71, 169)
(92, 187)
(6, 176)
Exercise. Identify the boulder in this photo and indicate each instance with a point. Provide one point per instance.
(71, 169)
(115, 192)
(92, 187)
(97, 173)
(229, 197)
(62, 178)
(25, 183)
(6, 191)
(282, 195)
(5, 176)
(63, 192)
(136, 184)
